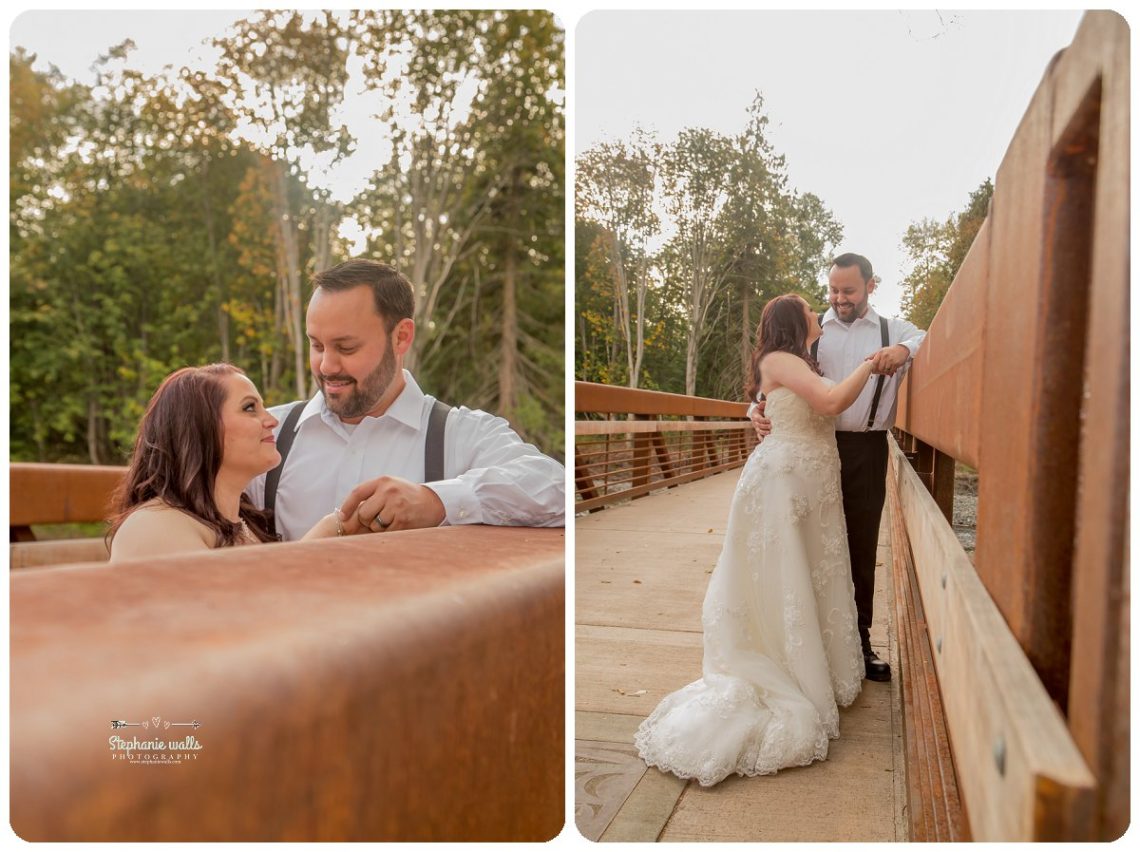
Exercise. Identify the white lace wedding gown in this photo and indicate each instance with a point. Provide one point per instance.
(781, 639)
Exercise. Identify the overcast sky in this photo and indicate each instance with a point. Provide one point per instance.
(73, 40)
(888, 116)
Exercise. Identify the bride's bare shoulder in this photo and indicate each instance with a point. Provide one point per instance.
(776, 368)
(156, 529)
(779, 357)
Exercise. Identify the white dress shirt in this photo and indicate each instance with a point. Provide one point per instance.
(843, 347)
(491, 476)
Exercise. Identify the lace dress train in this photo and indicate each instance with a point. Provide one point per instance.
(781, 640)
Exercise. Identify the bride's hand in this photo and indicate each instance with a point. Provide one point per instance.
(760, 423)
(333, 525)
(888, 359)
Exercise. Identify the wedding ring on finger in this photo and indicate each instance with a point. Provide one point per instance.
(380, 522)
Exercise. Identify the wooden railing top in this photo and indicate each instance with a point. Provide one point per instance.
(60, 493)
(609, 399)
(1020, 774)
(398, 686)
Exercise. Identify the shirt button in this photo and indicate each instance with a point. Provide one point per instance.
(463, 513)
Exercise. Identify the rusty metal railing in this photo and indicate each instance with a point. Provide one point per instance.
(58, 494)
(1024, 375)
(46, 494)
(629, 442)
(404, 686)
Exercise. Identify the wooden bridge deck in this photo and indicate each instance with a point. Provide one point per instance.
(640, 577)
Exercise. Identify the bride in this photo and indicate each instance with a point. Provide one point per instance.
(781, 640)
(205, 435)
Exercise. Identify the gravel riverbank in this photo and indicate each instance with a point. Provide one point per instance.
(966, 508)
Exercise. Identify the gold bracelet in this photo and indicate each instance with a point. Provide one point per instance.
(339, 524)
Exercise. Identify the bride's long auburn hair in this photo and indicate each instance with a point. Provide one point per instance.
(782, 329)
(178, 453)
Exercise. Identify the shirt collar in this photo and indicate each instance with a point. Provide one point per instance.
(870, 316)
(407, 408)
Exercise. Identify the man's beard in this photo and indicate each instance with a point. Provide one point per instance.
(857, 310)
(364, 396)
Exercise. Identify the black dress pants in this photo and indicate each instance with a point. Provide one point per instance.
(863, 471)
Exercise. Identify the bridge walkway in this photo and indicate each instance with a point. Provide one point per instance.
(641, 572)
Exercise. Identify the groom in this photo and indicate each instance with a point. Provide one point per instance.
(374, 445)
(852, 331)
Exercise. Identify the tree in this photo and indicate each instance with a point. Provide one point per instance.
(696, 176)
(615, 189)
(737, 235)
(936, 251)
(286, 73)
(160, 220)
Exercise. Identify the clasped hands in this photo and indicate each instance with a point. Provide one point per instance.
(388, 504)
(887, 360)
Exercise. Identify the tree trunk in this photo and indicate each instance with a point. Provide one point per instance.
(691, 363)
(215, 272)
(508, 347)
(696, 293)
(745, 331)
(322, 237)
(93, 430)
(278, 320)
(614, 338)
(290, 265)
(621, 306)
(642, 284)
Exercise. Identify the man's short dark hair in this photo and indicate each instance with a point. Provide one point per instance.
(392, 292)
(851, 259)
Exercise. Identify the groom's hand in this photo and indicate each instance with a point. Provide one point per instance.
(760, 423)
(888, 359)
(388, 503)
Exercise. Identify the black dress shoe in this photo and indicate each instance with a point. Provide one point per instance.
(877, 670)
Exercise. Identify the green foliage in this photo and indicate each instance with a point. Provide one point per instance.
(936, 251)
(146, 234)
(737, 236)
(509, 264)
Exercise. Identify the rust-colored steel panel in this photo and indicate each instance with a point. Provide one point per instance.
(407, 686)
(1053, 446)
(902, 409)
(1024, 512)
(944, 388)
(608, 399)
(1099, 699)
(60, 493)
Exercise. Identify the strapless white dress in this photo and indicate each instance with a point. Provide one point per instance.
(781, 638)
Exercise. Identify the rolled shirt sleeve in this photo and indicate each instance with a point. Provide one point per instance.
(910, 336)
(494, 477)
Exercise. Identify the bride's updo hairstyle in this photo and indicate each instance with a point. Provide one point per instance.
(178, 453)
(782, 329)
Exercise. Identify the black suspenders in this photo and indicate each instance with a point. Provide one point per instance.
(285, 436)
(885, 334)
(886, 337)
(433, 446)
(815, 346)
(433, 450)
